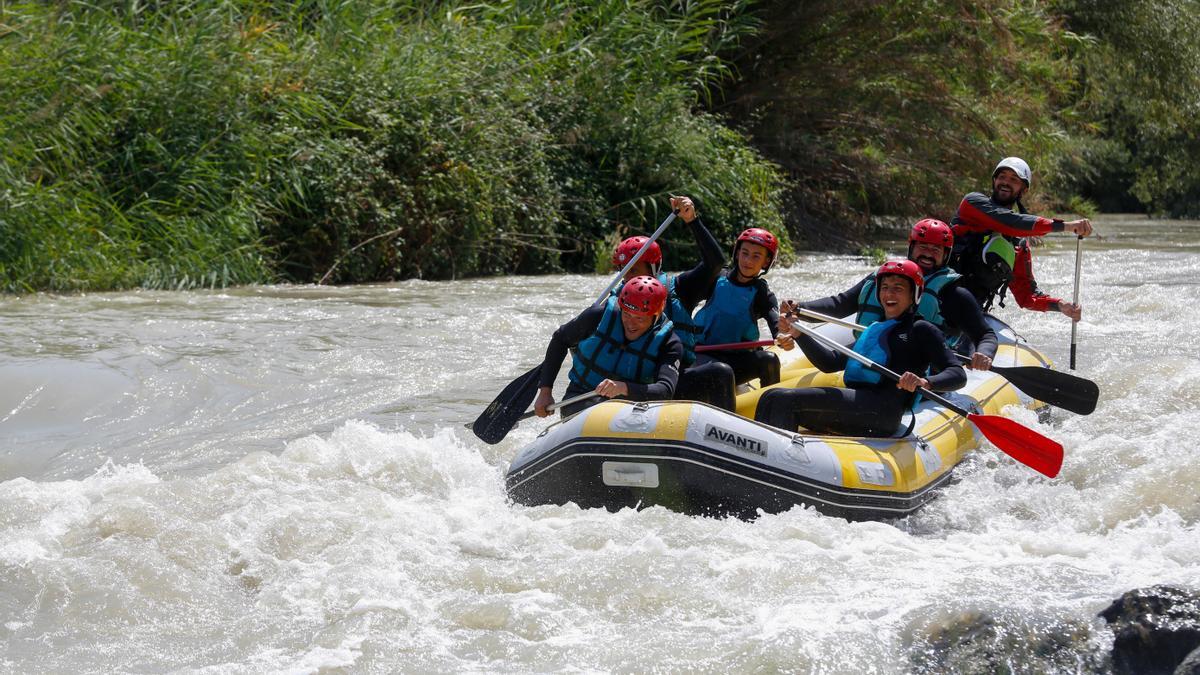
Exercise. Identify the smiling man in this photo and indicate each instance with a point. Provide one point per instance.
(623, 347)
(991, 250)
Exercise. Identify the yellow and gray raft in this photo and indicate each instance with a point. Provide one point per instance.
(693, 458)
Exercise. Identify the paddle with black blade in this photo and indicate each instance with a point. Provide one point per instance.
(496, 420)
(1023, 444)
(553, 406)
(1059, 389)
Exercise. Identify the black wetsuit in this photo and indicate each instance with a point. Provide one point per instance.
(748, 364)
(958, 306)
(583, 326)
(915, 346)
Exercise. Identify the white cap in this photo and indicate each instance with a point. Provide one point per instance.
(1018, 167)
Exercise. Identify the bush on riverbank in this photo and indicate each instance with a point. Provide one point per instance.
(214, 143)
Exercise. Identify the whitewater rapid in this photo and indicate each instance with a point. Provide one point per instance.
(278, 480)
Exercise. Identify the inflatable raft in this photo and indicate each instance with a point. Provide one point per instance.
(696, 459)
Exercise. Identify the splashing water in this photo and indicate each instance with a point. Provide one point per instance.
(278, 479)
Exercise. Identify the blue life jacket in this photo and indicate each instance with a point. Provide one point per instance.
(726, 317)
(606, 354)
(686, 328)
(872, 343)
(870, 309)
(929, 307)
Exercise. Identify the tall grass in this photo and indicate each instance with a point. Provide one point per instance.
(209, 143)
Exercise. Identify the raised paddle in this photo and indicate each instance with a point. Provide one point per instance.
(1016, 440)
(1075, 298)
(1059, 389)
(729, 346)
(496, 420)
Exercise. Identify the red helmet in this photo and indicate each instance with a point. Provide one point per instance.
(931, 231)
(905, 268)
(644, 296)
(629, 248)
(757, 235)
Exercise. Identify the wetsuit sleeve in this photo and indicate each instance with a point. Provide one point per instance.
(962, 310)
(978, 213)
(693, 285)
(666, 378)
(1024, 287)
(767, 307)
(567, 336)
(825, 359)
(949, 375)
(838, 306)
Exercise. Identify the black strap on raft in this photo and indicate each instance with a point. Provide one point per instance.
(912, 422)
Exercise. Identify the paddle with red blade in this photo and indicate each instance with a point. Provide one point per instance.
(1023, 444)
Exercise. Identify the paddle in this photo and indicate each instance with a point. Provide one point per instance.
(1075, 297)
(1017, 441)
(734, 345)
(552, 407)
(496, 420)
(1059, 389)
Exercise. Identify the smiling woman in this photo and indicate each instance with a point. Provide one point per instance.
(869, 405)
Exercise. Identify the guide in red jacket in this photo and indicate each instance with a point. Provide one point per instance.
(991, 249)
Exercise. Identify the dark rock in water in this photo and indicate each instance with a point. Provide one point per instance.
(1155, 629)
(1190, 665)
(1011, 641)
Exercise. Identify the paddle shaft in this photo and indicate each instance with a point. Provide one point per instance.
(1075, 295)
(734, 345)
(555, 406)
(636, 256)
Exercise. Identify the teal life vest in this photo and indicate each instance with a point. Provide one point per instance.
(929, 307)
(686, 328)
(726, 316)
(872, 343)
(870, 309)
(606, 354)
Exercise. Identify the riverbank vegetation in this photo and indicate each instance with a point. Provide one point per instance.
(219, 142)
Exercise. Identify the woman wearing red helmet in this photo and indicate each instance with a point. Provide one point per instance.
(735, 302)
(869, 405)
(624, 347)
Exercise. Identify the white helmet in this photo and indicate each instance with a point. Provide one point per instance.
(1018, 167)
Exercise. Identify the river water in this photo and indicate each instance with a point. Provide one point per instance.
(277, 479)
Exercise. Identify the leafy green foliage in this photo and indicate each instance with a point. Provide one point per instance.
(1137, 110)
(222, 142)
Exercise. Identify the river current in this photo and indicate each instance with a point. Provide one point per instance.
(278, 479)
